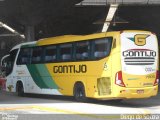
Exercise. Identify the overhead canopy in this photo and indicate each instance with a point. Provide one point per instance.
(59, 17)
(62, 17)
(124, 2)
(20, 13)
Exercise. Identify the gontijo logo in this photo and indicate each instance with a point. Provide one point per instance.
(139, 56)
(139, 39)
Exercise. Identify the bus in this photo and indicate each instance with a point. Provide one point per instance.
(105, 66)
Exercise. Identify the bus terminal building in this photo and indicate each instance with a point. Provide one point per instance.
(57, 54)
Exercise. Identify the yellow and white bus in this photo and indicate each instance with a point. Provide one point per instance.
(112, 65)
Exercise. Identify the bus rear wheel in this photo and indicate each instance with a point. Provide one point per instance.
(79, 92)
(20, 89)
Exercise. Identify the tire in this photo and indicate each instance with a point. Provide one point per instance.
(116, 101)
(20, 89)
(79, 92)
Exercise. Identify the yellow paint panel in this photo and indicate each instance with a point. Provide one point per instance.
(72, 38)
(134, 81)
(65, 74)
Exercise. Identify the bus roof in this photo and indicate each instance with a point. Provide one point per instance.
(135, 31)
(21, 44)
(71, 38)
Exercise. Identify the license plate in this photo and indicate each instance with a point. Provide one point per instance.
(140, 91)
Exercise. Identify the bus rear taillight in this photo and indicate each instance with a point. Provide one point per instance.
(119, 80)
(157, 78)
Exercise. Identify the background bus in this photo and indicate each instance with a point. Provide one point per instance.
(112, 65)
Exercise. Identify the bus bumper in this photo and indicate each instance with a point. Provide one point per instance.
(130, 93)
(137, 92)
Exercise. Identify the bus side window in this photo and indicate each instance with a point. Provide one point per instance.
(66, 52)
(82, 50)
(37, 53)
(102, 48)
(24, 56)
(50, 54)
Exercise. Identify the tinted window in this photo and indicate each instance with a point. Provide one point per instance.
(24, 56)
(66, 52)
(82, 50)
(50, 54)
(102, 47)
(37, 53)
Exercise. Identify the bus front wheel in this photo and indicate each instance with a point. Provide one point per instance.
(20, 89)
(79, 92)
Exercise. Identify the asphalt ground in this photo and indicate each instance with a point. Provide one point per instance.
(46, 107)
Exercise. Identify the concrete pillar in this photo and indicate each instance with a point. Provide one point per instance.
(29, 33)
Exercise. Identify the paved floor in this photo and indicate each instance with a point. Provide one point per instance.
(40, 107)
